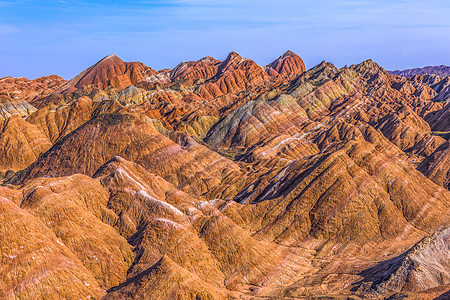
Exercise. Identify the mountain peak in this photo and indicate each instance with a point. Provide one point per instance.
(110, 59)
(232, 60)
(233, 56)
(369, 66)
(110, 56)
(204, 68)
(289, 53)
(110, 70)
(289, 63)
(208, 59)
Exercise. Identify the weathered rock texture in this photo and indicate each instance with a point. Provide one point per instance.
(225, 180)
(111, 71)
(28, 90)
(423, 267)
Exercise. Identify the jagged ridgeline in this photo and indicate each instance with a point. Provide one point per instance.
(225, 180)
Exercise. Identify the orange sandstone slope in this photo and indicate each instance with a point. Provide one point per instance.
(225, 180)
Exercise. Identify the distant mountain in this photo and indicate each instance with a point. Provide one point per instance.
(436, 70)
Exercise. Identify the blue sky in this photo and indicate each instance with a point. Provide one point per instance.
(64, 37)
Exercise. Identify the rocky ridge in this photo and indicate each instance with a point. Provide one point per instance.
(430, 70)
(286, 182)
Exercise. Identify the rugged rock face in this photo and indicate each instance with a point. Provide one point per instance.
(226, 180)
(9, 107)
(28, 90)
(204, 68)
(440, 119)
(235, 74)
(440, 86)
(47, 267)
(424, 266)
(109, 135)
(437, 165)
(21, 143)
(110, 71)
(166, 280)
(287, 64)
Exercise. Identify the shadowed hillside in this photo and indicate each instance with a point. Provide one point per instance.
(225, 180)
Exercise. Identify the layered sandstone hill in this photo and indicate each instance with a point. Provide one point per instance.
(440, 85)
(10, 106)
(25, 89)
(289, 64)
(226, 180)
(423, 267)
(110, 71)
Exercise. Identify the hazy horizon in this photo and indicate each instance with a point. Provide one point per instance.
(41, 38)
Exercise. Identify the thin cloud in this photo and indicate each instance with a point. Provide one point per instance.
(7, 29)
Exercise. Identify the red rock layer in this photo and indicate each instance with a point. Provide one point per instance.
(189, 166)
(235, 74)
(110, 71)
(270, 175)
(204, 68)
(289, 64)
(25, 89)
